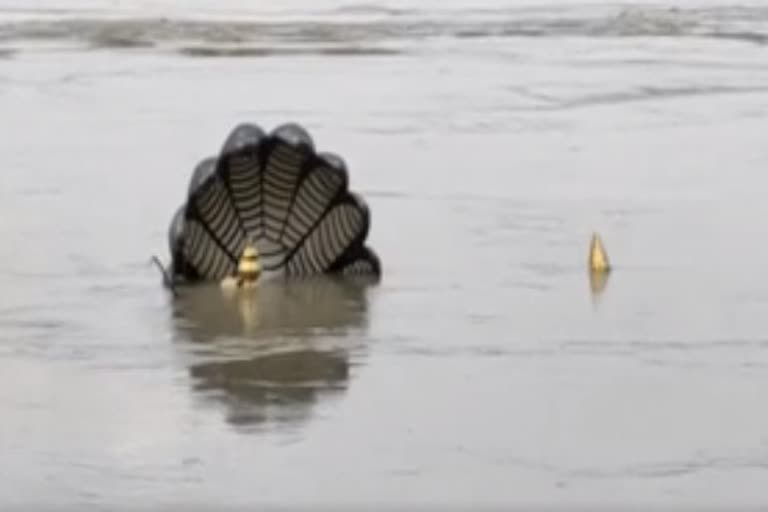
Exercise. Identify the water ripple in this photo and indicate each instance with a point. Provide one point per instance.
(241, 51)
(369, 24)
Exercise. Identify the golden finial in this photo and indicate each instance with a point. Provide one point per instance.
(599, 267)
(249, 267)
(248, 270)
(598, 257)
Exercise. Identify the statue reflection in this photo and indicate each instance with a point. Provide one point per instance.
(267, 356)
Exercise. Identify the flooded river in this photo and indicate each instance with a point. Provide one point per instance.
(490, 140)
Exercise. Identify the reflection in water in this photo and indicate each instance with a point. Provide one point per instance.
(268, 355)
(598, 281)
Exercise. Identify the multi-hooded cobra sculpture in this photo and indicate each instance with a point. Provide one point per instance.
(269, 206)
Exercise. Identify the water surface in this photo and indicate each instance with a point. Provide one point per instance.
(489, 140)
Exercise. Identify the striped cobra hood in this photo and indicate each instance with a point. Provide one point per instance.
(275, 191)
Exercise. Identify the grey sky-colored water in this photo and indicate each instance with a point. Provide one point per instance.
(481, 370)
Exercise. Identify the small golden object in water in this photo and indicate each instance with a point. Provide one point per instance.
(598, 257)
(248, 270)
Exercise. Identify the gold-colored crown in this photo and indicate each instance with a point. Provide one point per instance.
(250, 252)
(249, 266)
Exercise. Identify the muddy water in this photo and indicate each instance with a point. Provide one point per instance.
(489, 142)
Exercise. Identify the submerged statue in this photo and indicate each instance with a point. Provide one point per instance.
(269, 206)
